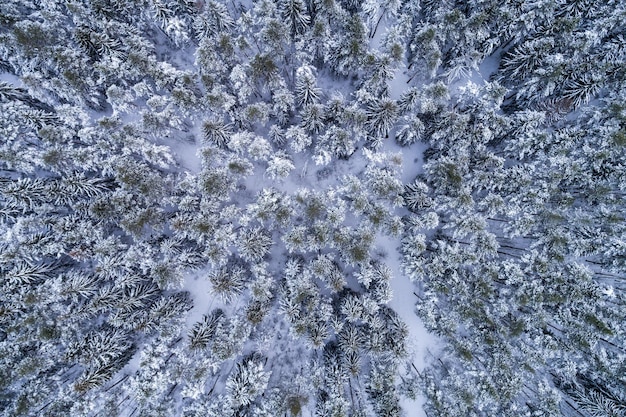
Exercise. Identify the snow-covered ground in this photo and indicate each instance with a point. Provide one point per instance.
(403, 302)
(11, 79)
(305, 176)
(186, 153)
(404, 299)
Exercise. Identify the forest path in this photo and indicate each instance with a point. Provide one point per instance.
(420, 342)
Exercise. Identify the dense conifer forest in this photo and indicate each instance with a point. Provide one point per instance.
(211, 208)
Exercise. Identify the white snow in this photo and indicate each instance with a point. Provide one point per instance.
(404, 299)
(399, 82)
(11, 79)
(403, 302)
(186, 153)
(490, 65)
(200, 290)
